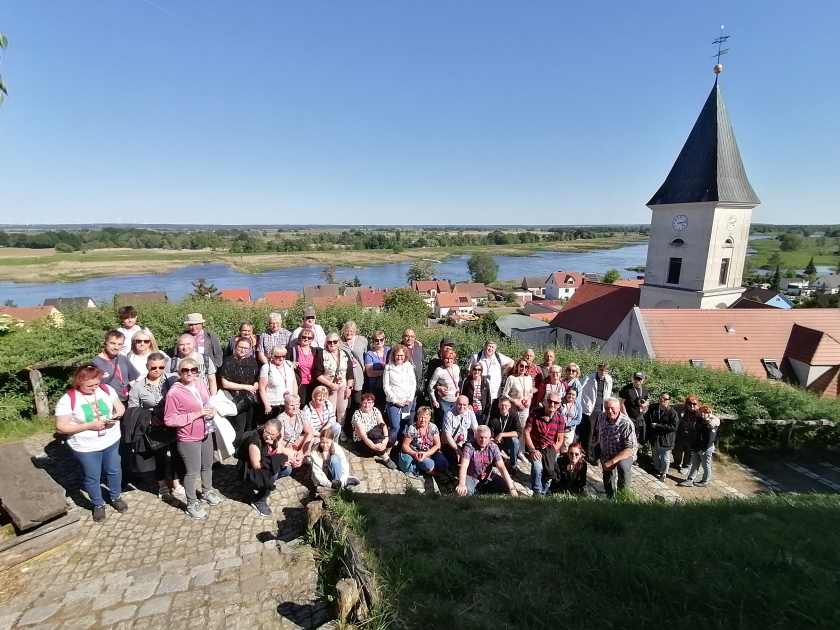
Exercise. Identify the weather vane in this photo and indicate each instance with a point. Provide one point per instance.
(721, 51)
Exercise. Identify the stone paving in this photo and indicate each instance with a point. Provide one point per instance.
(154, 567)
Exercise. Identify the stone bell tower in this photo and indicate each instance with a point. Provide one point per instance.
(701, 219)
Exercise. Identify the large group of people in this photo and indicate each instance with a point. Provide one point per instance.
(283, 402)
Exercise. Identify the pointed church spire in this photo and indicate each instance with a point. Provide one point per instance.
(709, 167)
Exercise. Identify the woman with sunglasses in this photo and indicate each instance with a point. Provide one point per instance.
(570, 472)
(448, 375)
(142, 345)
(333, 369)
(476, 387)
(376, 358)
(303, 359)
(688, 414)
(149, 392)
(187, 409)
(572, 378)
(399, 383)
(277, 380)
(517, 389)
(240, 378)
(552, 384)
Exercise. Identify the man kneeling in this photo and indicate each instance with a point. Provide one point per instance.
(476, 474)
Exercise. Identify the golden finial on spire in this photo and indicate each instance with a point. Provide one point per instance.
(719, 41)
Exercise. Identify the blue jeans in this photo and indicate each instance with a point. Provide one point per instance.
(538, 477)
(441, 411)
(396, 424)
(336, 470)
(94, 464)
(661, 458)
(703, 460)
(511, 447)
(437, 462)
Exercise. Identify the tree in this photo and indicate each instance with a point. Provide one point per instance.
(810, 268)
(406, 302)
(483, 268)
(790, 242)
(203, 290)
(776, 279)
(329, 274)
(421, 270)
(64, 248)
(9, 303)
(774, 261)
(612, 276)
(3, 43)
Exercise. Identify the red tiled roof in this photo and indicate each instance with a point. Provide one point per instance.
(236, 295)
(323, 302)
(562, 278)
(281, 299)
(372, 297)
(453, 300)
(596, 309)
(629, 283)
(28, 314)
(476, 289)
(681, 334)
(543, 317)
(424, 286)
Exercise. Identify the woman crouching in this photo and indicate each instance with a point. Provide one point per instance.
(421, 446)
(329, 463)
(268, 460)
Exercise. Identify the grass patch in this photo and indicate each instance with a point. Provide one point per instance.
(14, 430)
(768, 562)
(824, 255)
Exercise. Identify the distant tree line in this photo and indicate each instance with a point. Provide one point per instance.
(830, 231)
(249, 241)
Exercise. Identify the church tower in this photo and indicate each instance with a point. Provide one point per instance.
(701, 219)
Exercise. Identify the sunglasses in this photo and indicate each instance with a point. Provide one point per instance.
(156, 367)
(379, 340)
(332, 341)
(142, 341)
(188, 371)
(307, 338)
(308, 318)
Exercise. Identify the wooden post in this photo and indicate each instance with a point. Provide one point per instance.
(786, 438)
(42, 405)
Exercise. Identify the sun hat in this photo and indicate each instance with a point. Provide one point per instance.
(194, 318)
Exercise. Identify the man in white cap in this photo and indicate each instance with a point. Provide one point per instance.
(206, 342)
(308, 323)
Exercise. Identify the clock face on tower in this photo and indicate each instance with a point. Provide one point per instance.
(680, 222)
(730, 224)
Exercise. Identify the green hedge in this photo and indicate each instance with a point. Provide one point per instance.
(81, 335)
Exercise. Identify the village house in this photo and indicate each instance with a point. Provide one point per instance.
(71, 303)
(561, 285)
(429, 289)
(535, 285)
(29, 314)
(477, 291)
(241, 296)
(312, 291)
(281, 299)
(447, 304)
(372, 299)
(830, 283)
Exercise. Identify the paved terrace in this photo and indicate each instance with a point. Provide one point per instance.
(154, 567)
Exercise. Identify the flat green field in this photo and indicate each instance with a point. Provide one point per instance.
(824, 255)
(47, 266)
(480, 563)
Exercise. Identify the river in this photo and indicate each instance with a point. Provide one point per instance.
(178, 283)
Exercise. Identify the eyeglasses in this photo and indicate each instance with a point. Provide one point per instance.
(551, 401)
(271, 436)
(573, 454)
(571, 370)
(308, 318)
(142, 341)
(332, 341)
(306, 338)
(379, 340)
(188, 370)
(156, 367)
(243, 347)
(664, 398)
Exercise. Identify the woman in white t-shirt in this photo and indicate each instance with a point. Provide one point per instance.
(89, 414)
(277, 380)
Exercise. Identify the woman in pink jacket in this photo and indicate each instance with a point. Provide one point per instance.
(187, 410)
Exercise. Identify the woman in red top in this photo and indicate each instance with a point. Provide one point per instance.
(303, 359)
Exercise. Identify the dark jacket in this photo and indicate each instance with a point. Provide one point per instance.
(319, 370)
(135, 423)
(665, 433)
(483, 394)
(270, 465)
(685, 428)
(705, 435)
(571, 481)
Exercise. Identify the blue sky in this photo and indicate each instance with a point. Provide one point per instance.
(432, 112)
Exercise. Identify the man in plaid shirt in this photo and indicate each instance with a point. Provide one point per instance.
(617, 446)
(543, 436)
(276, 335)
(479, 457)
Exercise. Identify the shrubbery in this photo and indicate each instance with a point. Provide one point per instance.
(81, 335)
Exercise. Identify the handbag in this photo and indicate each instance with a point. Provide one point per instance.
(159, 437)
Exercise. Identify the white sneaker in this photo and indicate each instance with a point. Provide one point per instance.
(179, 493)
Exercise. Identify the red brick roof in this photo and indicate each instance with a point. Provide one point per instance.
(544, 317)
(476, 289)
(424, 286)
(236, 295)
(453, 300)
(805, 334)
(567, 278)
(372, 297)
(629, 283)
(596, 309)
(281, 299)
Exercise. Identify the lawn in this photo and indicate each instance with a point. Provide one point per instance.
(446, 562)
(824, 255)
